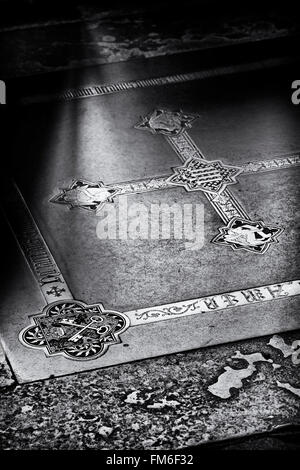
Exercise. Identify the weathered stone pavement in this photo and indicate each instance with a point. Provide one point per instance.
(162, 403)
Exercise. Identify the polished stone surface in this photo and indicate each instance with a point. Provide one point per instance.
(96, 139)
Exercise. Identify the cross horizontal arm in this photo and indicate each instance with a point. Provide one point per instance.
(163, 182)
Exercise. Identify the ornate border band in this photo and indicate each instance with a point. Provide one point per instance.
(215, 303)
(106, 89)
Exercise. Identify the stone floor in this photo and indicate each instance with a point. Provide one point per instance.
(86, 36)
(169, 402)
(162, 403)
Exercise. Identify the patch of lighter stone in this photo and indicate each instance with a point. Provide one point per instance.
(233, 378)
(164, 402)
(105, 431)
(287, 386)
(296, 353)
(278, 343)
(287, 350)
(260, 376)
(133, 398)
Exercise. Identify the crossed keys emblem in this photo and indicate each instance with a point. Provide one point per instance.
(95, 324)
(75, 330)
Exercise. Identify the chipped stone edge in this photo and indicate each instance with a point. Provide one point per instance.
(6, 375)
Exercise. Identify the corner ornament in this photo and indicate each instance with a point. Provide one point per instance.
(74, 330)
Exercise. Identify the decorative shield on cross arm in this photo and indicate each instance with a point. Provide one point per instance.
(84, 194)
(75, 330)
(254, 236)
(166, 122)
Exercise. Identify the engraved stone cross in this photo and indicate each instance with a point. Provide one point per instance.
(195, 174)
